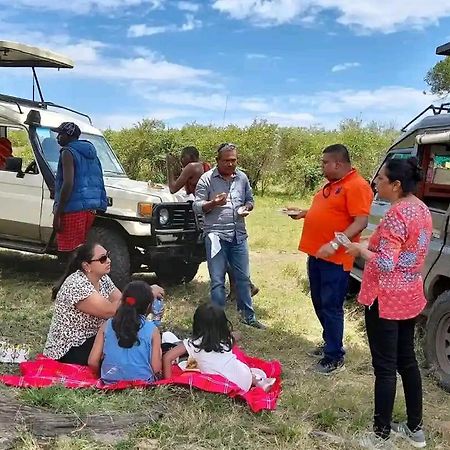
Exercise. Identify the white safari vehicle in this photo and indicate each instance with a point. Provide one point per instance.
(145, 227)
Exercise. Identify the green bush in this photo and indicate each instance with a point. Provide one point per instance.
(274, 158)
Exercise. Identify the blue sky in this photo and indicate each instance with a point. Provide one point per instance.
(292, 62)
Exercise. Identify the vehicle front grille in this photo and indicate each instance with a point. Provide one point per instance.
(181, 216)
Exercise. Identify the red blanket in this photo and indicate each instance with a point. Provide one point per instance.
(44, 372)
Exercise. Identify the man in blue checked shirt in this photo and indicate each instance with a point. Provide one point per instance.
(224, 196)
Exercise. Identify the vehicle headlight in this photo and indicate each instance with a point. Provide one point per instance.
(145, 209)
(163, 216)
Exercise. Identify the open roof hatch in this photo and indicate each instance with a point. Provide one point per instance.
(13, 54)
(443, 50)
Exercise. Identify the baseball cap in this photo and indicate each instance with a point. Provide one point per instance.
(69, 128)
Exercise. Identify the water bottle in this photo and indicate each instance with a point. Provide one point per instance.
(157, 311)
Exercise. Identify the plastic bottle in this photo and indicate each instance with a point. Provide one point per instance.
(157, 311)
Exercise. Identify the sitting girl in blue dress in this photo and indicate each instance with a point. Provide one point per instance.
(128, 346)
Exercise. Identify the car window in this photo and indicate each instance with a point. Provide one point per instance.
(21, 147)
(50, 147)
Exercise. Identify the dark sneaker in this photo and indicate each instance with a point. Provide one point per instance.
(327, 367)
(316, 352)
(254, 323)
(416, 438)
(374, 442)
(254, 290)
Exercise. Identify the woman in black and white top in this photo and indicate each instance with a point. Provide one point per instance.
(86, 297)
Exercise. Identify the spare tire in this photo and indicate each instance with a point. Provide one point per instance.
(114, 242)
(437, 340)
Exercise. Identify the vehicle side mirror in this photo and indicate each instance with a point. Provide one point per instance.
(14, 164)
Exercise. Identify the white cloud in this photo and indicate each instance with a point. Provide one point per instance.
(82, 6)
(188, 6)
(299, 119)
(191, 23)
(118, 121)
(386, 105)
(92, 61)
(344, 66)
(140, 30)
(254, 104)
(256, 56)
(201, 100)
(383, 15)
(143, 69)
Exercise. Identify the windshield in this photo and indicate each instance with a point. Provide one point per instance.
(50, 147)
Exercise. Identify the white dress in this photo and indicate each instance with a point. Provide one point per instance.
(225, 364)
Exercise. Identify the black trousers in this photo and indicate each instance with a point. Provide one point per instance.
(79, 355)
(392, 347)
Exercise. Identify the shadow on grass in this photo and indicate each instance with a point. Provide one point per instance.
(29, 267)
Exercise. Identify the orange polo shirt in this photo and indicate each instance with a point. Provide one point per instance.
(334, 208)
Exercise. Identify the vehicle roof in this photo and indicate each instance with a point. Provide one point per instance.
(12, 116)
(443, 50)
(14, 54)
(432, 121)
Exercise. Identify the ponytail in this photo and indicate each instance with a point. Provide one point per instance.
(136, 301)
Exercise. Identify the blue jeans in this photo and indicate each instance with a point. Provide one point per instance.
(328, 284)
(236, 256)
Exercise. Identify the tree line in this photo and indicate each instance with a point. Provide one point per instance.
(281, 159)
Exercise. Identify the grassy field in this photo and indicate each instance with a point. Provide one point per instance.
(339, 406)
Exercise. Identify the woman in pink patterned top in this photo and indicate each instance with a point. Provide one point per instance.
(392, 293)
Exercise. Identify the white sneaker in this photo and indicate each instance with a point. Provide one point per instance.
(416, 439)
(266, 383)
(169, 338)
(372, 441)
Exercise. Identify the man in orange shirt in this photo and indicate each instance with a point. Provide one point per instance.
(342, 205)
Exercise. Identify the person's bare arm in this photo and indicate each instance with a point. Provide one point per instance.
(156, 357)
(67, 187)
(175, 184)
(115, 297)
(359, 224)
(98, 306)
(170, 357)
(95, 357)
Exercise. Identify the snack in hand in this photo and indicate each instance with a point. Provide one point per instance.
(191, 364)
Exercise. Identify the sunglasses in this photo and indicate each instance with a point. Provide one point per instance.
(227, 146)
(102, 259)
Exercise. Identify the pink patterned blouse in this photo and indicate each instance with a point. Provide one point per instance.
(393, 274)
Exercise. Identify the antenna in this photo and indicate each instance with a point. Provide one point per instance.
(225, 111)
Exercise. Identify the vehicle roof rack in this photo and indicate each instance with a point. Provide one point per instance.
(443, 50)
(18, 101)
(436, 110)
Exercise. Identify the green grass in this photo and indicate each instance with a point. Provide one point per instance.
(339, 405)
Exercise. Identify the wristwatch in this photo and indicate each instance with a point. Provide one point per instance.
(335, 245)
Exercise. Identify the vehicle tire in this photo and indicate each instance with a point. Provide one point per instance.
(114, 242)
(172, 272)
(437, 340)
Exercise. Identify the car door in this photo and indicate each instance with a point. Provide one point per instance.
(21, 203)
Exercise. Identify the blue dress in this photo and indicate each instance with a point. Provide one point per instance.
(128, 363)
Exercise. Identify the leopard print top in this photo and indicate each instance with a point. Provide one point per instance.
(70, 327)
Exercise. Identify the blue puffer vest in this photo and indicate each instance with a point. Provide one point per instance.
(88, 191)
